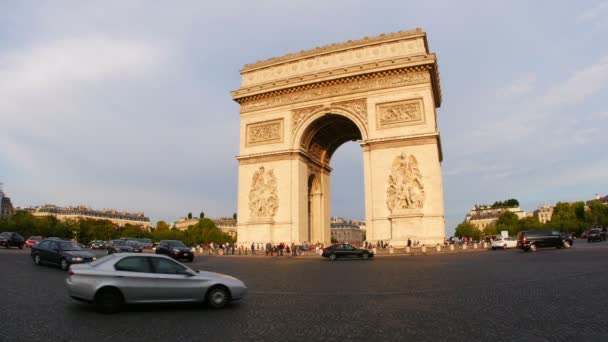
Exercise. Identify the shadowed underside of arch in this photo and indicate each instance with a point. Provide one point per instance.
(324, 135)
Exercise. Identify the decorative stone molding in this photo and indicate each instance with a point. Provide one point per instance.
(357, 107)
(263, 197)
(300, 115)
(331, 47)
(400, 113)
(316, 151)
(405, 187)
(268, 132)
(345, 86)
(358, 52)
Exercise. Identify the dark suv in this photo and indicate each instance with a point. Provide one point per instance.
(596, 234)
(8, 239)
(530, 240)
(175, 249)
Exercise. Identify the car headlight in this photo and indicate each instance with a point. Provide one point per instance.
(76, 259)
(94, 258)
(175, 250)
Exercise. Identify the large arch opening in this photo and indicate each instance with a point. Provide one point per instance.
(320, 140)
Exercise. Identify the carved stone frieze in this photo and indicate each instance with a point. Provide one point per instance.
(268, 132)
(405, 186)
(357, 107)
(263, 197)
(399, 113)
(299, 115)
(395, 78)
(316, 150)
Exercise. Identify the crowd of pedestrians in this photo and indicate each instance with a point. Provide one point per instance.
(268, 249)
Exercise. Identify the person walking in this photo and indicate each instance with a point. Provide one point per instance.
(253, 248)
(409, 242)
(293, 249)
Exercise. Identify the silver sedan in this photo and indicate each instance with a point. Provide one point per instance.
(126, 278)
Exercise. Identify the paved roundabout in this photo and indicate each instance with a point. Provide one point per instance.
(553, 295)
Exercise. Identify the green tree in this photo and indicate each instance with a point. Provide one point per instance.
(465, 229)
(202, 215)
(189, 216)
(597, 215)
(530, 223)
(490, 230)
(162, 225)
(234, 216)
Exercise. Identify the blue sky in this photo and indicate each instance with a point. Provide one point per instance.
(126, 104)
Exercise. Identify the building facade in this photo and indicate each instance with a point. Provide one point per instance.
(6, 207)
(484, 216)
(544, 213)
(120, 218)
(346, 231)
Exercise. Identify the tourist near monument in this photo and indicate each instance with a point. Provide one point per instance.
(297, 109)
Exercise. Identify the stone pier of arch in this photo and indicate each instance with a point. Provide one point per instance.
(296, 110)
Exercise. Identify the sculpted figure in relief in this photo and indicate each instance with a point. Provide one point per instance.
(263, 198)
(405, 187)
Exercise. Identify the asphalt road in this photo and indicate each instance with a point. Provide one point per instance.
(550, 295)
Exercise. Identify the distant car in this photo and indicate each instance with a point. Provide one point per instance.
(345, 250)
(596, 234)
(585, 234)
(32, 241)
(62, 253)
(97, 244)
(504, 242)
(147, 243)
(137, 247)
(127, 278)
(11, 239)
(118, 246)
(175, 249)
(531, 240)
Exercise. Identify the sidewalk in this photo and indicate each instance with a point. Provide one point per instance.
(379, 253)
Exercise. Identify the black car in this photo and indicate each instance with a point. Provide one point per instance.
(345, 250)
(531, 240)
(596, 234)
(62, 253)
(137, 247)
(175, 249)
(118, 246)
(10, 239)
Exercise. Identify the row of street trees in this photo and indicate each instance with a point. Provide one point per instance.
(86, 230)
(567, 217)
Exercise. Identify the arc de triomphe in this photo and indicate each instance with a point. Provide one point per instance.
(296, 110)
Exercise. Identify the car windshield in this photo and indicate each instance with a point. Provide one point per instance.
(119, 242)
(37, 238)
(176, 244)
(5, 234)
(69, 246)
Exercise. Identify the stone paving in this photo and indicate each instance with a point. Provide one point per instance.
(550, 295)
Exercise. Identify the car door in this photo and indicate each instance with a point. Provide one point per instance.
(52, 254)
(135, 277)
(43, 250)
(350, 251)
(173, 282)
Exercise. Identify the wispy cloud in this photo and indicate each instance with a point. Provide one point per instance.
(597, 15)
(518, 87)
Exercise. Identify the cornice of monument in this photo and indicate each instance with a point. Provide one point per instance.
(328, 79)
(351, 44)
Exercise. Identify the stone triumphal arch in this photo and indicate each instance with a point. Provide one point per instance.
(296, 110)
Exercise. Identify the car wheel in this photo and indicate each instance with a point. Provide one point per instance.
(64, 264)
(493, 248)
(504, 247)
(566, 244)
(365, 256)
(218, 297)
(191, 259)
(37, 259)
(108, 300)
(333, 257)
(21, 246)
(532, 248)
(588, 240)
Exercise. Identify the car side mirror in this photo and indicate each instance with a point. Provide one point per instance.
(188, 273)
